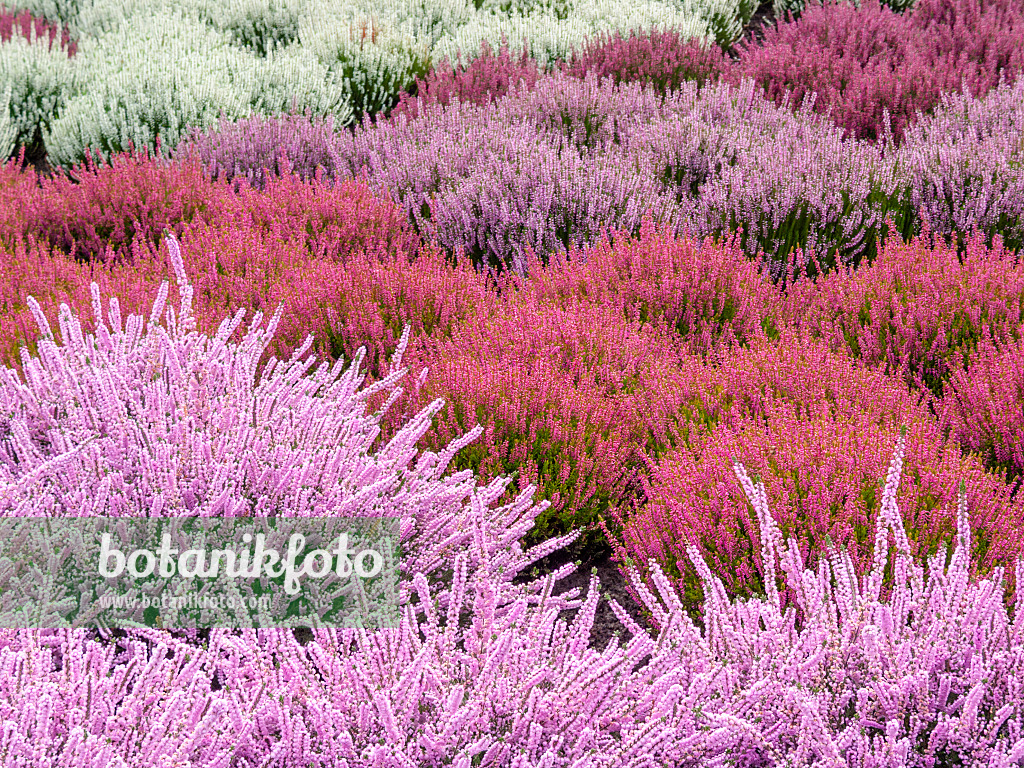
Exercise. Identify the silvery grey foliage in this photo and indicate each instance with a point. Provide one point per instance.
(162, 73)
(38, 80)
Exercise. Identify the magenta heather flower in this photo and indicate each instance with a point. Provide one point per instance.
(862, 60)
(486, 78)
(918, 308)
(659, 57)
(983, 404)
(811, 423)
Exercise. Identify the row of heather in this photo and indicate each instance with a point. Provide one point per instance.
(103, 88)
(861, 663)
(550, 165)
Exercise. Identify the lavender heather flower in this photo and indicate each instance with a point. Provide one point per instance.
(965, 165)
(144, 418)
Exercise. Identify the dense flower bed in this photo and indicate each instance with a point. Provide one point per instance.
(516, 684)
(550, 282)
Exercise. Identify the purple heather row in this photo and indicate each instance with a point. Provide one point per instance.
(549, 166)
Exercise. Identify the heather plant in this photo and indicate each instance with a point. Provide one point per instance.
(54, 11)
(17, 188)
(918, 310)
(343, 264)
(709, 293)
(550, 167)
(528, 193)
(795, 8)
(659, 58)
(160, 72)
(39, 79)
(69, 700)
(794, 184)
(804, 194)
(262, 26)
(252, 147)
(97, 211)
(964, 165)
(920, 673)
(485, 183)
(478, 670)
(863, 681)
(11, 23)
(982, 405)
(8, 131)
(554, 390)
(377, 57)
(865, 61)
(101, 207)
(331, 222)
(113, 75)
(820, 462)
(78, 430)
(353, 296)
(590, 113)
(485, 79)
(549, 35)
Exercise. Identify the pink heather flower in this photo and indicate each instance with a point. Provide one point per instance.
(146, 418)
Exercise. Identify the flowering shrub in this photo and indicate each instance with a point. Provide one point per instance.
(486, 78)
(709, 293)
(843, 684)
(36, 81)
(29, 27)
(485, 182)
(356, 281)
(927, 673)
(97, 207)
(16, 187)
(161, 71)
(78, 433)
(917, 309)
(791, 181)
(660, 58)
(863, 61)
(8, 130)
(551, 33)
(553, 389)
(255, 146)
(965, 165)
(108, 206)
(812, 433)
(368, 49)
(982, 405)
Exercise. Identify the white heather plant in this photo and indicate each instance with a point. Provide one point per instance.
(145, 419)
(376, 51)
(259, 25)
(781, 8)
(163, 72)
(156, 74)
(551, 36)
(39, 80)
(8, 130)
